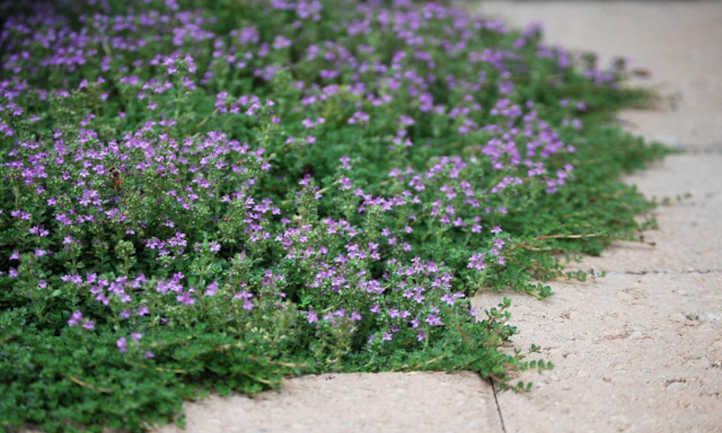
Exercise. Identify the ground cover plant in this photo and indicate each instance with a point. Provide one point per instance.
(214, 195)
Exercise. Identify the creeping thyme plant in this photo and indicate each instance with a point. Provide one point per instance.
(214, 195)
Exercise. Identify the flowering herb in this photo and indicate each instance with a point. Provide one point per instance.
(219, 198)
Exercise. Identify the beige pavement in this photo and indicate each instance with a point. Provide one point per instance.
(340, 403)
(637, 351)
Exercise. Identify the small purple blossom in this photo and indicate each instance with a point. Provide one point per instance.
(433, 320)
(121, 344)
(476, 261)
(211, 289)
(75, 318)
(186, 298)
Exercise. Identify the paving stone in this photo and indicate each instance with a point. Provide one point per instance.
(384, 402)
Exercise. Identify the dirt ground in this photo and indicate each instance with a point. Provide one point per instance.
(639, 350)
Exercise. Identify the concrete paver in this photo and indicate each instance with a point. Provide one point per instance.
(632, 353)
(384, 402)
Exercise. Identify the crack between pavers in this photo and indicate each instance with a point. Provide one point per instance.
(666, 271)
(702, 150)
(498, 407)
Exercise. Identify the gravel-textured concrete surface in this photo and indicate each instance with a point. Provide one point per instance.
(632, 353)
(637, 351)
(384, 402)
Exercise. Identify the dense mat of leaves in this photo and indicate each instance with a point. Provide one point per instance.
(212, 195)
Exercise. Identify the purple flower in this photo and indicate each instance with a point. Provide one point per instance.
(75, 318)
(89, 325)
(280, 42)
(345, 160)
(358, 117)
(476, 261)
(211, 289)
(448, 299)
(433, 320)
(186, 298)
(122, 344)
(190, 63)
(345, 183)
